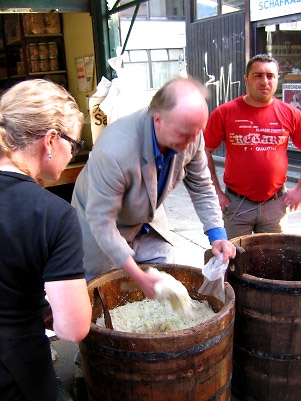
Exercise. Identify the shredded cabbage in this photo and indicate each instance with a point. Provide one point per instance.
(150, 316)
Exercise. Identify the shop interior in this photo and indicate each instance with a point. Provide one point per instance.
(282, 40)
(55, 46)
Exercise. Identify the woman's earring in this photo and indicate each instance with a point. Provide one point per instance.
(49, 157)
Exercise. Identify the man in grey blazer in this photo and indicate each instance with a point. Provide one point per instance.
(134, 164)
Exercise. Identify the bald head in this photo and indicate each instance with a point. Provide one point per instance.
(188, 90)
(190, 101)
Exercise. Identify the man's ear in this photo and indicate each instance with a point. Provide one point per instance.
(157, 119)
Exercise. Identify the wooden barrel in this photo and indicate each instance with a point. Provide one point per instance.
(267, 333)
(194, 364)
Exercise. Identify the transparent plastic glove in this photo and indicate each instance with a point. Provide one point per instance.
(173, 291)
(214, 273)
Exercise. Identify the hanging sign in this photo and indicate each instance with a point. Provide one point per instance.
(266, 9)
(291, 93)
(84, 70)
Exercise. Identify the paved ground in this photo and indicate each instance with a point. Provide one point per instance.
(191, 244)
(188, 233)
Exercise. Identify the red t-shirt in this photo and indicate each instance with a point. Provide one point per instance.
(256, 140)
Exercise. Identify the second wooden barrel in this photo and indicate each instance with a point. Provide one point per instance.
(267, 333)
(194, 364)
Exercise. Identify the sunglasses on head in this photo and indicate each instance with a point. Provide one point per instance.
(76, 146)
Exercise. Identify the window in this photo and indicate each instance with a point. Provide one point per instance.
(154, 52)
(154, 67)
(156, 10)
(211, 8)
(206, 9)
(231, 6)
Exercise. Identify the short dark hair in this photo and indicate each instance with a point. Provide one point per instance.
(263, 58)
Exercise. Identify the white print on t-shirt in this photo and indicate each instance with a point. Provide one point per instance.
(264, 149)
(256, 139)
(258, 136)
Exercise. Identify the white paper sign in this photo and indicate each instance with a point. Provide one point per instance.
(266, 9)
(84, 71)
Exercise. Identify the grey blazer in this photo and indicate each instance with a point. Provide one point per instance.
(116, 192)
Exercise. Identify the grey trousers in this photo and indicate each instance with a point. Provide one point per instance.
(149, 248)
(244, 217)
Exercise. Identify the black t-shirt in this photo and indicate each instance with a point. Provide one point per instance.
(40, 241)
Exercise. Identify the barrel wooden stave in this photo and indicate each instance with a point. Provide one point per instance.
(267, 346)
(193, 364)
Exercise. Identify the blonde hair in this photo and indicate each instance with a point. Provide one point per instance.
(31, 108)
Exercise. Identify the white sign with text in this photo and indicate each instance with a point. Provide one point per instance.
(266, 9)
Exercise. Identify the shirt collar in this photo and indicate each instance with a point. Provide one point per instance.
(158, 154)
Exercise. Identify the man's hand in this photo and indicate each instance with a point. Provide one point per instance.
(293, 198)
(221, 245)
(223, 201)
(145, 281)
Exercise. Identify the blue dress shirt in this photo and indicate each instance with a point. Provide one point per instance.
(162, 165)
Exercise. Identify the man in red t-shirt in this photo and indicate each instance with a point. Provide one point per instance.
(256, 128)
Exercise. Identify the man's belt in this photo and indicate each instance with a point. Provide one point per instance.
(277, 195)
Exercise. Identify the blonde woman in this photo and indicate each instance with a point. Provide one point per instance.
(41, 243)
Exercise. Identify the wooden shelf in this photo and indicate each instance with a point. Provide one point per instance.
(16, 42)
(42, 35)
(68, 176)
(17, 76)
(292, 77)
(47, 72)
(13, 55)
